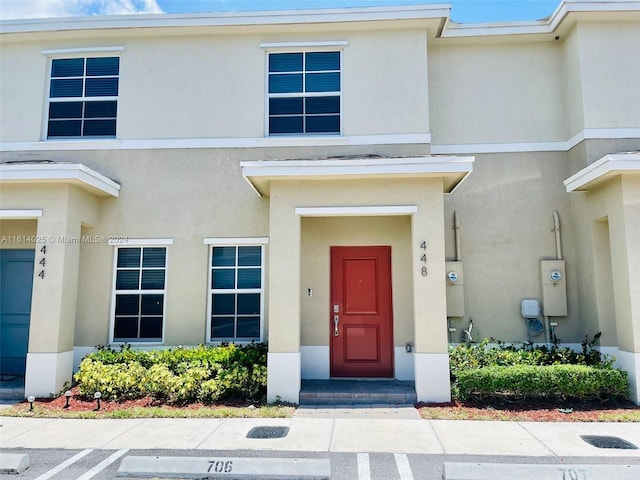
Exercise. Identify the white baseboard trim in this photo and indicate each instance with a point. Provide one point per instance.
(432, 377)
(283, 377)
(404, 364)
(315, 362)
(47, 373)
(630, 363)
(79, 352)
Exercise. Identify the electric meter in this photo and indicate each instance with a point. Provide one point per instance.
(452, 276)
(555, 275)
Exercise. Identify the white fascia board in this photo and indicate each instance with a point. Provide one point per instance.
(302, 17)
(260, 173)
(545, 26)
(364, 166)
(369, 210)
(59, 172)
(608, 166)
(20, 214)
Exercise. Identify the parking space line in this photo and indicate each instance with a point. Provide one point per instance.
(364, 471)
(103, 464)
(64, 464)
(404, 469)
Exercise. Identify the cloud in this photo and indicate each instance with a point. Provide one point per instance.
(11, 9)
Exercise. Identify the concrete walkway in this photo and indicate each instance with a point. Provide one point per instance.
(367, 430)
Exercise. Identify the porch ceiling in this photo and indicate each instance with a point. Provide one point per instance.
(51, 172)
(452, 170)
(609, 166)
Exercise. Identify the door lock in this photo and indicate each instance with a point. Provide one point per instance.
(336, 320)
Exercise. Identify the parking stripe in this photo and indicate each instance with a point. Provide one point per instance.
(404, 469)
(65, 464)
(103, 464)
(364, 472)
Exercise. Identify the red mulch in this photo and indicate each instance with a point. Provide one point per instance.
(528, 411)
(516, 411)
(79, 403)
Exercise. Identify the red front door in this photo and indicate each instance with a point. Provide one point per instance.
(361, 312)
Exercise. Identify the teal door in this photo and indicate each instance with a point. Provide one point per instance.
(16, 282)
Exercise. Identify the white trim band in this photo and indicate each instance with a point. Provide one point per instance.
(236, 241)
(231, 142)
(356, 211)
(19, 214)
(144, 242)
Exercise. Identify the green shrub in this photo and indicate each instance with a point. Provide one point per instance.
(177, 375)
(549, 382)
(464, 357)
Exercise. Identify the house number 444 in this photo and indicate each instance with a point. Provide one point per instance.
(423, 259)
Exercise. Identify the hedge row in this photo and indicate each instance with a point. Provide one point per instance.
(553, 382)
(465, 357)
(180, 375)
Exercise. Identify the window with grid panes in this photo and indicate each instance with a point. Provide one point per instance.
(83, 97)
(139, 294)
(236, 293)
(304, 93)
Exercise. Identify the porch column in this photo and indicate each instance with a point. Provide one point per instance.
(625, 261)
(431, 357)
(283, 358)
(55, 289)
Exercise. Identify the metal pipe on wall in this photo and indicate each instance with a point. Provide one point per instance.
(556, 229)
(456, 229)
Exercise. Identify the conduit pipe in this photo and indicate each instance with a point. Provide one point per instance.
(456, 229)
(556, 229)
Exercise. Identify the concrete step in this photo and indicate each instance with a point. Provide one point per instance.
(12, 394)
(357, 392)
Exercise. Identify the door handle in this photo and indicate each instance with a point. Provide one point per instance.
(336, 320)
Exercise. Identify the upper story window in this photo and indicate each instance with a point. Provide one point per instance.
(304, 93)
(83, 97)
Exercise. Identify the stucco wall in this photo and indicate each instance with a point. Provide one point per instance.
(18, 234)
(213, 86)
(492, 92)
(505, 209)
(609, 74)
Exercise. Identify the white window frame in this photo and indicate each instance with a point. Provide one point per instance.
(142, 244)
(235, 242)
(302, 47)
(69, 53)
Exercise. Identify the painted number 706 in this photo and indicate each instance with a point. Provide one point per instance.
(572, 474)
(220, 466)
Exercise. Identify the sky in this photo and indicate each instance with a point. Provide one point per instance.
(463, 11)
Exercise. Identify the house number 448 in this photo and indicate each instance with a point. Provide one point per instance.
(423, 259)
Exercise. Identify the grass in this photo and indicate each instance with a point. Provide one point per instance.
(43, 411)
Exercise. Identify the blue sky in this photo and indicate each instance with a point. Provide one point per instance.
(464, 11)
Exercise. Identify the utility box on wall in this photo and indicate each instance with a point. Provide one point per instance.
(554, 288)
(455, 289)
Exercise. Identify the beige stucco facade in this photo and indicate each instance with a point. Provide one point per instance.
(504, 125)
